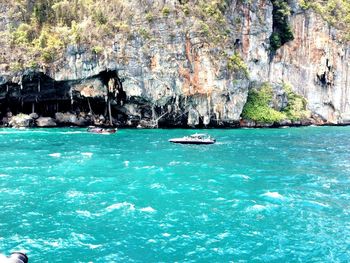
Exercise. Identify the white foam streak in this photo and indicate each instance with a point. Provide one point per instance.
(117, 206)
(257, 208)
(243, 176)
(72, 194)
(56, 155)
(71, 132)
(83, 213)
(318, 204)
(156, 186)
(87, 154)
(145, 167)
(275, 195)
(148, 209)
(91, 246)
(260, 208)
(223, 235)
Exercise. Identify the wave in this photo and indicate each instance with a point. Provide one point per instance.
(260, 208)
(243, 176)
(274, 195)
(315, 204)
(57, 155)
(83, 213)
(72, 132)
(72, 194)
(156, 186)
(256, 208)
(128, 206)
(12, 191)
(145, 167)
(87, 154)
(148, 209)
(173, 163)
(223, 235)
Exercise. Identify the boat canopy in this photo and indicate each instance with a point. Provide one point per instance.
(199, 135)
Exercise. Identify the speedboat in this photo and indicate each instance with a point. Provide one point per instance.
(194, 139)
(101, 130)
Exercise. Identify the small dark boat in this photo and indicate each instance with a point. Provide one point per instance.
(194, 139)
(101, 130)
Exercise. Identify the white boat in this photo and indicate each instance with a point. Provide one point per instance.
(196, 138)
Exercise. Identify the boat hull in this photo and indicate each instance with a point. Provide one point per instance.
(101, 131)
(191, 141)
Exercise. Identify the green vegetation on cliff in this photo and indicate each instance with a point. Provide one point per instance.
(40, 30)
(258, 107)
(237, 64)
(210, 18)
(282, 32)
(296, 107)
(335, 12)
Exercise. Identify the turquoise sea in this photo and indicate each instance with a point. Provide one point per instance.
(257, 195)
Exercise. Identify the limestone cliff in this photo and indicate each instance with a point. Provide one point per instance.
(176, 63)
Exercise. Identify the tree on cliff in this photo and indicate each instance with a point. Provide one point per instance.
(282, 32)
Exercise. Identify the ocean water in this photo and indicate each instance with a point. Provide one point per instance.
(257, 195)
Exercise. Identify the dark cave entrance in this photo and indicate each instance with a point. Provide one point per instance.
(35, 92)
(116, 92)
(38, 93)
(116, 96)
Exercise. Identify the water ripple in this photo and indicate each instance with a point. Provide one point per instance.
(277, 195)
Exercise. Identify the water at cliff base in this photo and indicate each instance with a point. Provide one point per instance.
(269, 195)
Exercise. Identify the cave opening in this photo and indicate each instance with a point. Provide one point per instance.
(34, 92)
(38, 93)
(116, 96)
(322, 79)
(115, 88)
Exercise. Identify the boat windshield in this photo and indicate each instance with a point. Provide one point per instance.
(199, 136)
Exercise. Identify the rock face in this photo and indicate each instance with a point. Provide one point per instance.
(45, 122)
(177, 77)
(70, 119)
(317, 66)
(21, 120)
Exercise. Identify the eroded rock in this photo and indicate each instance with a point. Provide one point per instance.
(21, 120)
(45, 122)
(34, 115)
(68, 118)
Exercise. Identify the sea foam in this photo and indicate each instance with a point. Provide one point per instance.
(83, 213)
(256, 208)
(148, 209)
(116, 206)
(87, 154)
(274, 195)
(57, 155)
